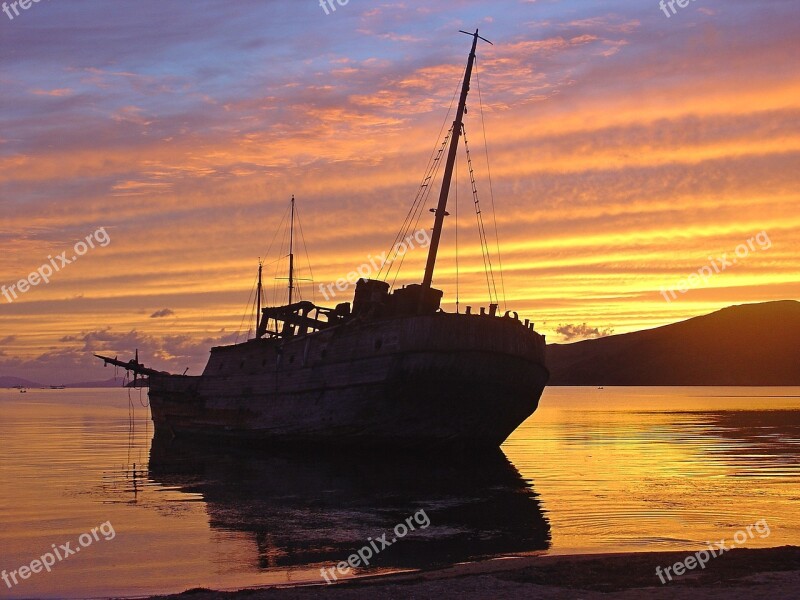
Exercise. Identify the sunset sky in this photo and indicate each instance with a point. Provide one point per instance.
(628, 150)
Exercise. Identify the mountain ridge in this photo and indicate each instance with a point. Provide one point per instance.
(747, 344)
(9, 381)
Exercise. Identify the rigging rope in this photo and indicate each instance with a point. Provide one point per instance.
(144, 404)
(250, 300)
(487, 259)
(308, 259)
(418, 211)
(491, 189)
(412, 218)
(247, 310)
(275, 285)
(423, 192)
(456, 219)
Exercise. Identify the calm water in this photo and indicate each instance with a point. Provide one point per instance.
(608, 470)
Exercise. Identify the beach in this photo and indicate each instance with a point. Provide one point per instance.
(769, 573)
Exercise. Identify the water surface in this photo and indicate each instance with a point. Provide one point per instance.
(594, 470)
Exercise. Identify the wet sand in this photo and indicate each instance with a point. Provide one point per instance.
(771, 573)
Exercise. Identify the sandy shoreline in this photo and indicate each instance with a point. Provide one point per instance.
(770, 573)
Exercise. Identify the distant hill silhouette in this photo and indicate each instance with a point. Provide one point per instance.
(106, 383)
(750, 344)
(7, 381)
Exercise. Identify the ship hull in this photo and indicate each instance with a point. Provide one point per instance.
(437, 380)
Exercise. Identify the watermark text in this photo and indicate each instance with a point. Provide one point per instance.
(329, 6)
(717, 265)
(47, 270)
(671, 4)
(47, 561)
(367, 552)
(701, 557)
(23, 4)
(375, 263)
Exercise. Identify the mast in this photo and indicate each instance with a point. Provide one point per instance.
(258, 296)
(291, 254)
(451, 159)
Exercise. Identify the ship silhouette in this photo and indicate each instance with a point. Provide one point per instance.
(392, 369)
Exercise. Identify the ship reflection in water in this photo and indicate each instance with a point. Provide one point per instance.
(614, 470)
(321, 508)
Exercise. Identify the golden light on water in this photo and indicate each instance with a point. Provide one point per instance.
(592, 471)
